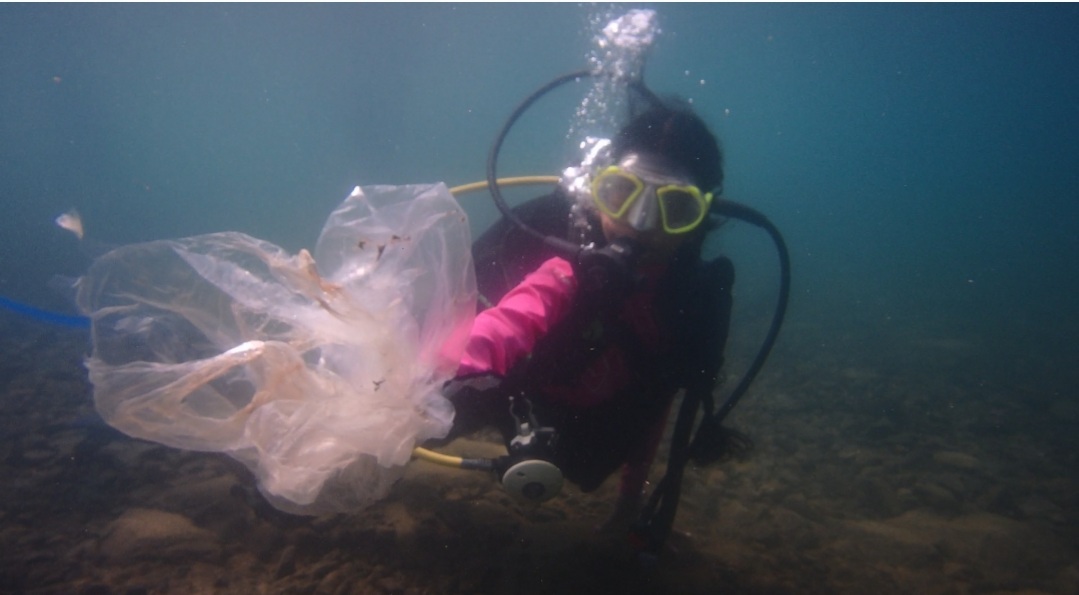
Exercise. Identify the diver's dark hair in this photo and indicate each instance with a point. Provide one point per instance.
(676, 134)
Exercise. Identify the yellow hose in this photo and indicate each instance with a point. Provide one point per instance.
(518, 181)
(430, 455)
(437, 458)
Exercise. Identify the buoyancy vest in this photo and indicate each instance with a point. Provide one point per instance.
(692, 304)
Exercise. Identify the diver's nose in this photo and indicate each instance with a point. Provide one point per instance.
(643, 214)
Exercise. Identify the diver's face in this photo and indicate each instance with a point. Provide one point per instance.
(658, 244)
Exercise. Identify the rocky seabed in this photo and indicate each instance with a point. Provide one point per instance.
(864, 478)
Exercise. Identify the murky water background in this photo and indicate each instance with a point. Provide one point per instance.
(915, 428)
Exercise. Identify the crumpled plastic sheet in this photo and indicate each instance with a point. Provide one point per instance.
(320, 373)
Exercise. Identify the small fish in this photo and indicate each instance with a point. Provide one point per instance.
(72, 222)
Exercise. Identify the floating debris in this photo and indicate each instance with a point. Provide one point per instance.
(72, 222)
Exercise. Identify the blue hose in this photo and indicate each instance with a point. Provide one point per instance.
(44, 315)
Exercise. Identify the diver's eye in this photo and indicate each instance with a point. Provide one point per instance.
(614, 193)
(680, 207)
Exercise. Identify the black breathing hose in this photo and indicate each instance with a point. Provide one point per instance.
(742, 212)
(562, 246)
(569, 249)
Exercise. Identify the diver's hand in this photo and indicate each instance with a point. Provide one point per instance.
(626, 513)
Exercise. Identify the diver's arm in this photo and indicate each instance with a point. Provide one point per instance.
(502, 335)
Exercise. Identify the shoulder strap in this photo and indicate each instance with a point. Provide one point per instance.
(709, 328)
(504, 254)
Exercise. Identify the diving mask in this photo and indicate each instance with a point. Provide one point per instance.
(645, 199)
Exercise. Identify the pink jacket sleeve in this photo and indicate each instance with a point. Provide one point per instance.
(502, 335)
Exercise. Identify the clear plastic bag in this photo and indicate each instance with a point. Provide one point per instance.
(320, 374)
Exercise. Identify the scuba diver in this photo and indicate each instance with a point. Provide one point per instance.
(582, 372)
